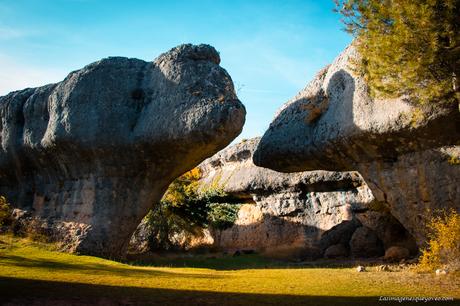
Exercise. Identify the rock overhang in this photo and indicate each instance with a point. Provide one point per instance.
(334, 124)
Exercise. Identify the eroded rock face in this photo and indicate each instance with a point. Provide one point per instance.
(287, 209)
(405, 152)
(97, 150)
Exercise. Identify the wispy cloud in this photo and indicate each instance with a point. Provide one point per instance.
(14, 75)
(9, 33)
(290, 69)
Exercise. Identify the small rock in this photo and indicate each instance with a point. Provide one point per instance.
(441, 271)
(361, 269)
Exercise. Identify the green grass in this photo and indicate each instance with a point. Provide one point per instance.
(31, 272)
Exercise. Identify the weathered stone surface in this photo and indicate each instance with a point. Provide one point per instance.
(401, 149)
(286, 209)
(416, 185)
(339, 234)
(364, 243)
(139, 241)
(98, 149)
(260, 231)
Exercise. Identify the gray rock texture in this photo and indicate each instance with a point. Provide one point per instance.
(287, 208)
(406, 152)
(97, 150)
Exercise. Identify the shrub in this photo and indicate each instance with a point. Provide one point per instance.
(185, 210)
(5, 212)
(443, 249)
(222, 215)
(38, 231)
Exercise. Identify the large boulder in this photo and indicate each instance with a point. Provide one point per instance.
(97, 150)
(406, 152)
(339, 234)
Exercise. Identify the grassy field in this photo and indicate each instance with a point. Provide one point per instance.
(31, 273)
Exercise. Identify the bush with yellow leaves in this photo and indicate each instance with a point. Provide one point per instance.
(443, 249)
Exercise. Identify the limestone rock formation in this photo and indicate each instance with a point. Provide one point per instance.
(94, 152)
(286, 209)
(407, 153)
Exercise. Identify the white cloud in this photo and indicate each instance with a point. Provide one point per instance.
(15, 75)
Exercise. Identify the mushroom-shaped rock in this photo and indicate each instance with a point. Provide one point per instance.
(91, 154)
(405, 151)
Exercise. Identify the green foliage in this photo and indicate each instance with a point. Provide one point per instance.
(222, 215)
(5, 212)
(164, 224)
(444, 245)
(408, 48)
(186, 210)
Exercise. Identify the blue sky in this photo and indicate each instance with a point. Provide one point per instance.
(270, 48)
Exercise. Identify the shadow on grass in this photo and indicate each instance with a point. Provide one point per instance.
(36, 292)
(93, 268)
(215, 262)
(245, 262)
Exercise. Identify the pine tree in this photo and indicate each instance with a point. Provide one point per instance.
(408, 47)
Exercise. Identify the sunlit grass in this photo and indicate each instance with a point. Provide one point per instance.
(22, 260)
